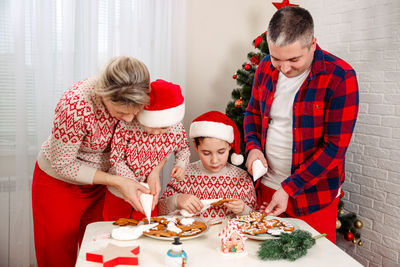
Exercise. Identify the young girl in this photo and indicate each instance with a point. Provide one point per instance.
(212, 177)
(140, 149)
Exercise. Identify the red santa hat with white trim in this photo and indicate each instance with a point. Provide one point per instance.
(166, 107)
(218, 125)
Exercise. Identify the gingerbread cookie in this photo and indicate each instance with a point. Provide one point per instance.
(220, 202)
(258, 216)
(125, 222)
(174, 226)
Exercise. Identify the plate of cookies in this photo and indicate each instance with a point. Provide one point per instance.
(258, 226)
(172, 226)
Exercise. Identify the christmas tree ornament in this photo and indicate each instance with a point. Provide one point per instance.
(114, 255)
(341, 211)
(247, 67)
(358, 224)
(238, 103)
(349, 236)
(255, 60)
(354, 241)
(338, 224)
(234, 76)
(360, 243)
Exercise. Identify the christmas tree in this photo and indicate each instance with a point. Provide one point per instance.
(244, 79)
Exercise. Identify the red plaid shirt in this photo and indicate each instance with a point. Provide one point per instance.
(324, 115)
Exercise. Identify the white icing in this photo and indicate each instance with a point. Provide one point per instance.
(172, 227)
(187, 221)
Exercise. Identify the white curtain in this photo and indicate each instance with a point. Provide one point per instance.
(45, 46)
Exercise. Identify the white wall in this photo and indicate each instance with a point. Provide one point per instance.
(365, 34)
(219, 36)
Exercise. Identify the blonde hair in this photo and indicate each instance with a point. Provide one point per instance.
(125, 80)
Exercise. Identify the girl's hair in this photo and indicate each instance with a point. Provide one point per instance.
(125, 80)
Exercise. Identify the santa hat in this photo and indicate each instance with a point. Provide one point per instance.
(166, 108)
(218, 125)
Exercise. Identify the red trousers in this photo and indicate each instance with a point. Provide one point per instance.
(324, 221)
(115, 208)
(61, 212)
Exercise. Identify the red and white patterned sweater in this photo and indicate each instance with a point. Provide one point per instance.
(135, 152)
(80, 140)
(230, 182)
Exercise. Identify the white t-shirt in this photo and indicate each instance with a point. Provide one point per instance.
(279, 140)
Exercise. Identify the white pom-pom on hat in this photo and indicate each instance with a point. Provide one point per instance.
(218, 125)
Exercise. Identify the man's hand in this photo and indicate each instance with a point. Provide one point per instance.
(236, 206)
(253, 155)
(278, 203)
(189, 202)
(178, 173)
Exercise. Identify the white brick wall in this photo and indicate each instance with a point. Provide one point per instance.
(365, 34)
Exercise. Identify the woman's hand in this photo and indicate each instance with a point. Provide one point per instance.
(236, 206)
(188, 202)
(131, 191)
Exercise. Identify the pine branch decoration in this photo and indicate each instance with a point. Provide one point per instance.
(288, 246)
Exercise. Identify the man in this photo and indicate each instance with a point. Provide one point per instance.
(299, 122)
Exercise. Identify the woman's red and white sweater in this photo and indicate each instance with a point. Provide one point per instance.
(135, 152)
(230, 182)
(80, 140)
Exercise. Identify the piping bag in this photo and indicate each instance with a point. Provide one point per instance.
(147, 202)
(258, 169)
(206, 203)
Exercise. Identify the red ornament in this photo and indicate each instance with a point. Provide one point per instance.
(283, 4)
(234, 76)
(247, 67)
(341, 194)
(257, 41)
(238, 103)
(255, 60)
(349, 236)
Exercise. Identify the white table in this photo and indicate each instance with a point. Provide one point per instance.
(204, 250)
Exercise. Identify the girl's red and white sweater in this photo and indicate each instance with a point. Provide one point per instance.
(135, 152)
(80, 140)
(230, 182)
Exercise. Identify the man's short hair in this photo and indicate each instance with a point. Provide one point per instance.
(290, 24)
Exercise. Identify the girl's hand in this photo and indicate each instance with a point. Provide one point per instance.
(153, 180)
(190, 203)
(236, 206)
(178, 173)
